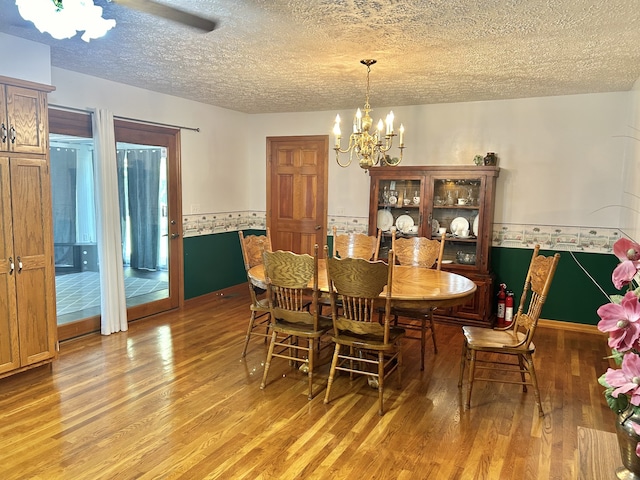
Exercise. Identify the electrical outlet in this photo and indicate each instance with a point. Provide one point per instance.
(195, 208)
(340, 211)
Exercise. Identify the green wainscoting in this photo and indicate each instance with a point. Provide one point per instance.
(214, 262)
(573, 296)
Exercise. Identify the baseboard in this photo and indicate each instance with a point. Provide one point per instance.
(570, 326)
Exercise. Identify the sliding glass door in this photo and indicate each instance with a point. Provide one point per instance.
(148, 185)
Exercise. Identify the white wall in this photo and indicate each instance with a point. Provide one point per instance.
(25, 59)
(561, 157)
(214, 167)
(630, 223)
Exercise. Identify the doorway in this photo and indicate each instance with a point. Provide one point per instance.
(148, 171)
(297, 192)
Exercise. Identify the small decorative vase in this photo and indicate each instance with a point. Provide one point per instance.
(491, 159)
(628, 440)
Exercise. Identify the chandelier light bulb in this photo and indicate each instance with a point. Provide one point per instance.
(336, 131)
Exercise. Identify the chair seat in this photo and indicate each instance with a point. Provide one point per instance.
(304, 329)
(370, 342)
(479, 338)
(261, 305)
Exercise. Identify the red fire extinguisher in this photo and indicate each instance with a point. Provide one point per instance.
(502, 295)
(508, 308)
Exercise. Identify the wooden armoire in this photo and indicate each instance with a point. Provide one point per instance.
(28, 331)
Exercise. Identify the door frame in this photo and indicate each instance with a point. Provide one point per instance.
(144, 134)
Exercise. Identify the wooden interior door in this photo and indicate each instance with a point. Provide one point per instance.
(9, 351)
(297, 192)
(32, 240)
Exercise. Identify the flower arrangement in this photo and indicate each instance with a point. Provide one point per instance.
(620, 318)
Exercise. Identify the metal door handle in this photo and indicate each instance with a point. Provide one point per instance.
(12, 133)
(318, 227)
(19, 264)
(3, 133)
(175, 235)
(11, 265)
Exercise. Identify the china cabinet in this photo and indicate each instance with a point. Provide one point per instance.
(427, 200)
(28, 336)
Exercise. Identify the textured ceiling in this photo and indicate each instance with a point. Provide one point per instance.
(304, 55)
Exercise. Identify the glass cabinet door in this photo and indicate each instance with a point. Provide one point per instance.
(456, 210)
(399, 207)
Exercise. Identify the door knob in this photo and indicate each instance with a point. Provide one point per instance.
(175, 235)
(318, 227)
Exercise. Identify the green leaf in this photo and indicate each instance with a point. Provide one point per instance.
(616, 299)
(619, 404)
(617, 356)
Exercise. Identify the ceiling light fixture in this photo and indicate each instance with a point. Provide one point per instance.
(370, 149)
(64, 21)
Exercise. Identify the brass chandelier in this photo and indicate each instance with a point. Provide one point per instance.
(369, 148)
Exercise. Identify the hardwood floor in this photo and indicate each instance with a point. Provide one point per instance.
(171, 398)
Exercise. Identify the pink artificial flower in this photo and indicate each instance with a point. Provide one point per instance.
(626, 379)
(622, 322)
(628, 253)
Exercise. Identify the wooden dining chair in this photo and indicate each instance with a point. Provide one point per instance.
(353, 245)
(481, 345)
(361, 342)
(356, 245)
(419, 252)
(288, 276)
(253, 246)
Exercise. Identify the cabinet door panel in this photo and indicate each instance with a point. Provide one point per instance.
(26, 110)
(4, 124)
(34, 270)
(9, 353)
(475, 307)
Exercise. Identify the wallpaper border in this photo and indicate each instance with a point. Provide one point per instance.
(507, 235)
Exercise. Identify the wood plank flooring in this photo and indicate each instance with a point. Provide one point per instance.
(172, 399)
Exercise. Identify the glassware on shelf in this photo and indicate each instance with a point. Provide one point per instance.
(385, 195)
(449, 200)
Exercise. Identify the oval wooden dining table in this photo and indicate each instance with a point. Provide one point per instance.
(412, 287)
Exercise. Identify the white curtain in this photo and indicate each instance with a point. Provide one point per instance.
(113, 304)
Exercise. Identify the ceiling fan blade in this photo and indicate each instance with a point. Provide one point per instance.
(170, 13)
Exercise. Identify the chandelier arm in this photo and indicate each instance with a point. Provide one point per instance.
(338, 151)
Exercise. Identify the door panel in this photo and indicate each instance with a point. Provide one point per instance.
(25, 108)
(9, 351)
(33, 259)
(297, 192)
